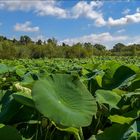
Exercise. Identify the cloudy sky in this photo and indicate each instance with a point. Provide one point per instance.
(71, 21)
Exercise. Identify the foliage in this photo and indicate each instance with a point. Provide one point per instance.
(25, 47)
(70, 99)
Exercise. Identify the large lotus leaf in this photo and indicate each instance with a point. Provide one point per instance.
(3, 68)
(20, 70)
(128, 81)
(109, 72)
(119, 75)
(135, 85)
(131, 84)
(65, 100)
(119, 132)
(122, 73)
(134, 67)
(108, 97)
(8, 112)
(9, 107)
(115, 132)
(9, 133)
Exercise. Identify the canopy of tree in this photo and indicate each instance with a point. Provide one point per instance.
(25, 47)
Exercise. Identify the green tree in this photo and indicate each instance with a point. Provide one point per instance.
(118, 47)
(89, 49)
(24, 40)
(39, 42)
(100, 47)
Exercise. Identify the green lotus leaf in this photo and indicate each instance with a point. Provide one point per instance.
(20, 70)
(65, 100)
(108, 97)
(3, 68)
(115, 132)
(115, 76)
(24, 98)
(120, 132)
(120, 119)
(9, 108)
(9, 133)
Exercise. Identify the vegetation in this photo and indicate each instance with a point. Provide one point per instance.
(70, 99)
(26, 48)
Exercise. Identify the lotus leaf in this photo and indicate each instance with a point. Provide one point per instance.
(65, 100)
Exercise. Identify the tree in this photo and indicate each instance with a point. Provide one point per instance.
(100, 47)
(2, 38)
(39, 42)
(52, 41)
(24, 40)
(89, 49)
(14, 40)
(134, 50)
(7, 50)
(118, 47)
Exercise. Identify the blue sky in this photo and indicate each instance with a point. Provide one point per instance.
(72, 21)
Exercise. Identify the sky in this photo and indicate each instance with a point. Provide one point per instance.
(71, 21)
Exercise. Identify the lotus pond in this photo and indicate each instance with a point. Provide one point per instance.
(70, 99)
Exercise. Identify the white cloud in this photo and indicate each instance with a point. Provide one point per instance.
(45, 8)
(103, 38)
(16, 5)
(89, 10)
(116, 22)
(134, 18)
(53, 8)
(121, 31)
(126, 11)
(86, 9)
(25, 27)
(40, 7)
(133, 40)
(100, 22)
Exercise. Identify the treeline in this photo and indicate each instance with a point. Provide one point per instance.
(25, 47)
